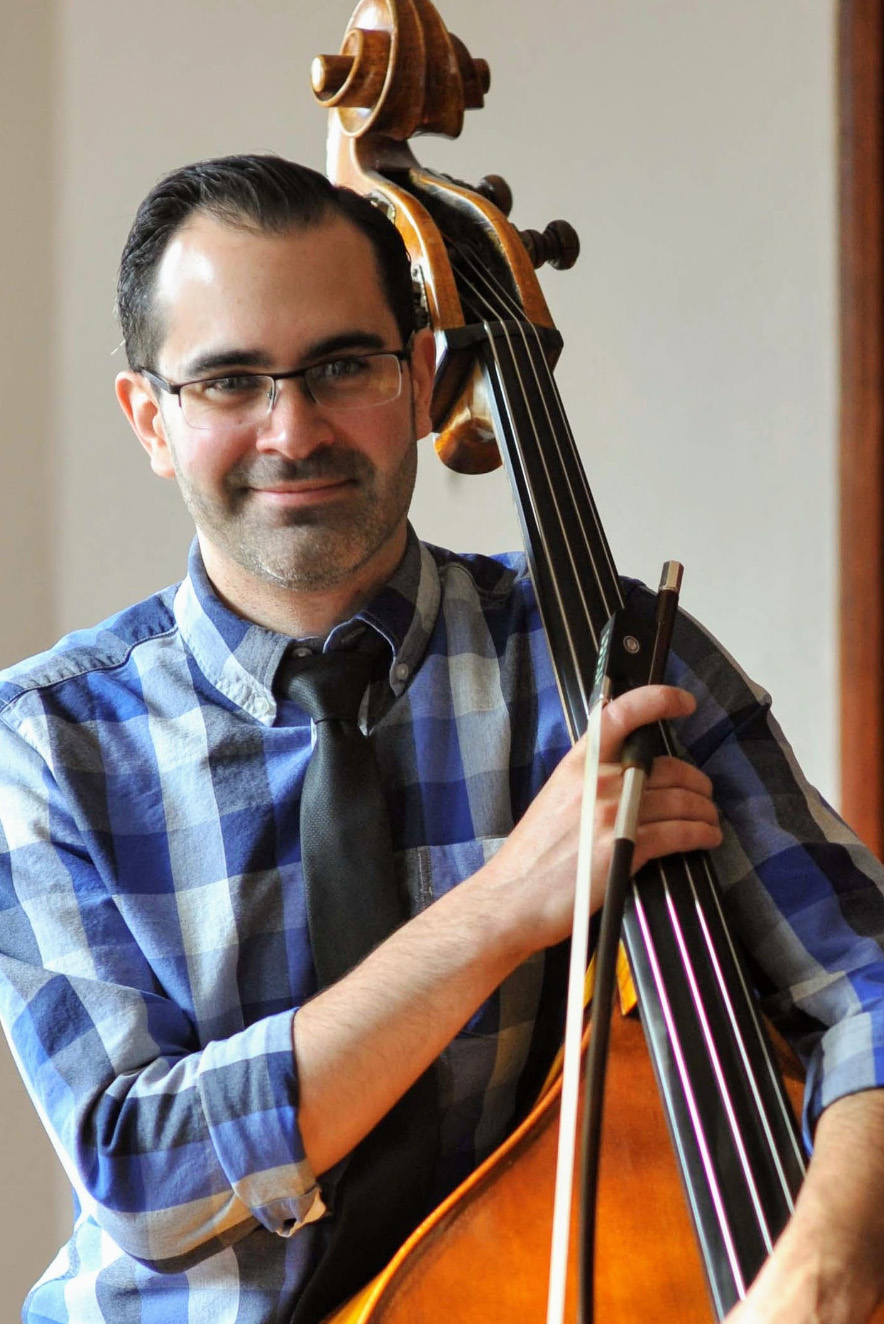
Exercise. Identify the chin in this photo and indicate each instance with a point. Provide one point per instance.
(313, 553)
(310, 574)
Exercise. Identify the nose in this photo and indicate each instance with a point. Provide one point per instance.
(296, 425)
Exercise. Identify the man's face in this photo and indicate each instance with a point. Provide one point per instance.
(315, 499)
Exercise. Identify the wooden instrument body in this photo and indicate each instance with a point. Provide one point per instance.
(483, 1255)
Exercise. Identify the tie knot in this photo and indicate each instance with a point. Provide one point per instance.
(331, 685)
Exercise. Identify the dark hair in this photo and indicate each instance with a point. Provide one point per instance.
(263, 192)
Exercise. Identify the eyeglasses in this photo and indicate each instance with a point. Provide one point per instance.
(246, 399)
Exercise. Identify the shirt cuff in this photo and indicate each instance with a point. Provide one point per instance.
(848, 1058)
(248, 1086)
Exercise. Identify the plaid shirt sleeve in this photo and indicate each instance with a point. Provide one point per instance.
(176, 1149)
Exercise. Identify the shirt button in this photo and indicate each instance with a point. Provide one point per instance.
(400, 671)
(302, 652)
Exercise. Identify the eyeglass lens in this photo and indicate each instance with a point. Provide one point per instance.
(247, 399)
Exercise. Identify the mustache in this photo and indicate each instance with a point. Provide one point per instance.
(330, 462)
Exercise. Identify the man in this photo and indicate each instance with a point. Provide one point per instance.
(158, 983)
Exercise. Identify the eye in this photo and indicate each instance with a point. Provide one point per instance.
(235, 386)
(354, 365)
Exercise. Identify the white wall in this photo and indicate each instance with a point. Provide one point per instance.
(693, 147)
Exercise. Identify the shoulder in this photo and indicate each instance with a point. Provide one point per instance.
(492, 594)
(102, 649)
(698, 660)
(494, 577)
(493, 584)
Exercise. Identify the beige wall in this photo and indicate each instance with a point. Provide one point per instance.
(692, 145)
(28, 490)
(33, 1200)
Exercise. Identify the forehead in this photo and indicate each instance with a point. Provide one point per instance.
(221, 287)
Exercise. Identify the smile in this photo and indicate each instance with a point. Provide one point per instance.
(308, 493)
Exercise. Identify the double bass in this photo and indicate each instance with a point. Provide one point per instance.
(738, 1155)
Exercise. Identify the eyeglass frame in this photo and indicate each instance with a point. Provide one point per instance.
(175, 388)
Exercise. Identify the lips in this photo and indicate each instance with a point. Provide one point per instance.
(326, 468)
(305, 491)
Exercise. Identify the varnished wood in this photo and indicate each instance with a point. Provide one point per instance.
(862, 419)
(643, 1224)
(466, 443)
(383, 87)
(635, 1200)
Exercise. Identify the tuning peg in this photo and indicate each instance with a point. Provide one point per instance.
(559, 245)
(329, 73)
(498, 191)
(355, 78)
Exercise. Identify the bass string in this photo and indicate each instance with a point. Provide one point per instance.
(562, 583)
(569, 462)
(499, 304)
(568, 484)
(691, 925)
(702, 1140)
(763, 1053)
(568, 1118)
(566, 448)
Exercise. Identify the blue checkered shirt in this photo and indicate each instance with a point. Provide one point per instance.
(153, 940)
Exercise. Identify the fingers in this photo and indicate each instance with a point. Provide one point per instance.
(677, 804)
(640, 707)
(671, 771)
(673, 836)
(667, 771)
(677, 812)
(674, 784)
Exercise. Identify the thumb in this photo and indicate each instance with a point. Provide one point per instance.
(640, 707)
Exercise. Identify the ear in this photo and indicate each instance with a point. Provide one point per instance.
(139, 403)
(423, 368)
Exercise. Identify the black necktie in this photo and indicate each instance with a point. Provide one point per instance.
(352, 905)
(346, 849)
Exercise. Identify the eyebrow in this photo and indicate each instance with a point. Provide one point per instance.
(219, 360)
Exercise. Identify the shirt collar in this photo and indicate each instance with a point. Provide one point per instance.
(240, 659)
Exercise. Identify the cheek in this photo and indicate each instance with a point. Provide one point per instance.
(390, 448)
(203, 461)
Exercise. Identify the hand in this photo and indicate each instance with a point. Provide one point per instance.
(677, 814)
